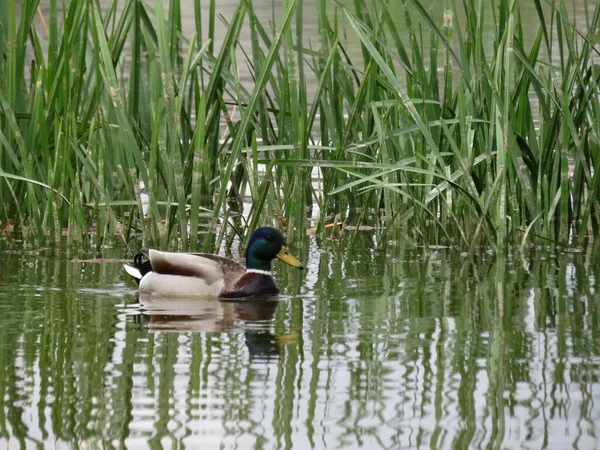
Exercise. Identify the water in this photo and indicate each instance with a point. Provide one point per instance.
(391, 348)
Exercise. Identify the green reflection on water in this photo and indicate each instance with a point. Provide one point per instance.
(382, 348)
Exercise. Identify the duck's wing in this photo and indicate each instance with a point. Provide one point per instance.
(231, 269)
(208, 267)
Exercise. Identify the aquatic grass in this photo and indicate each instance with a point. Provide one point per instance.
(439, 131)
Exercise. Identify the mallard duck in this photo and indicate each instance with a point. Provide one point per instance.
(165, 273)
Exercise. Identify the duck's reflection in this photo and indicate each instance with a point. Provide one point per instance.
(253, 318)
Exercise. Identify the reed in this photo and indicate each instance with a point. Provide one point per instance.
(117, 121)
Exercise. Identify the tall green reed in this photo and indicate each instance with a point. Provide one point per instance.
(439, 132)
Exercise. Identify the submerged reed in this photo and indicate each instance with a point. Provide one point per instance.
(117, 120)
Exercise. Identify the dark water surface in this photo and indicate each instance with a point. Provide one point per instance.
(393, 348)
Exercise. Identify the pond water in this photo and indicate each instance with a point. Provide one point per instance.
(377, 348)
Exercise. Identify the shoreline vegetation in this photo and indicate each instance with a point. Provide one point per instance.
(120, 122)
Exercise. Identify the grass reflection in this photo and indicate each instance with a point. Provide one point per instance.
(375, 345)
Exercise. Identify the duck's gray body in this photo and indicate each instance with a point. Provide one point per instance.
(178, 274)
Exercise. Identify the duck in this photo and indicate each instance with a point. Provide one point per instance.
(204, 274)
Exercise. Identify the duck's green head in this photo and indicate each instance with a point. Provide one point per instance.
(265, 244)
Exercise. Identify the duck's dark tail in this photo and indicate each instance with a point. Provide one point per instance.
(139, 268)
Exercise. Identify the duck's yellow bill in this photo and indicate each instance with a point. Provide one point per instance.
(285, 255)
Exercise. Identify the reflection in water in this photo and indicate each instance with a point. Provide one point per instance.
(252, 317)
(390, 348)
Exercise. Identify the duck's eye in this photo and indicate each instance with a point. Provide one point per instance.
(269, 238)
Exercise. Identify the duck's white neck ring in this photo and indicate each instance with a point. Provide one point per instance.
(261, 272)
